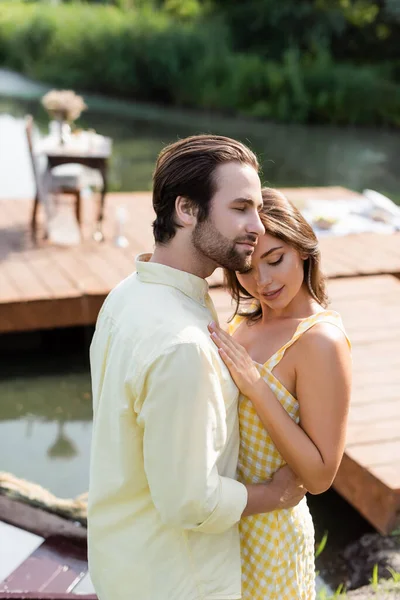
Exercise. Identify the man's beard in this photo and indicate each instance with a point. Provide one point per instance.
(210, 242)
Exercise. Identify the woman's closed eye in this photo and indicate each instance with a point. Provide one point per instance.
(280, 259)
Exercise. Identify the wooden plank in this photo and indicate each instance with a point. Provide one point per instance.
(49, 273)
(99, 265)
(376, 453)
(361, 287)
(82, 277)
(49, 314)
(29, 286)
(373, 432)
(117, 260)
(364, 395)
(372, 497)
(388, 474)
(8, 291)
(374, 412)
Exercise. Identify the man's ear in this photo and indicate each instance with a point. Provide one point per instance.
(186, 212)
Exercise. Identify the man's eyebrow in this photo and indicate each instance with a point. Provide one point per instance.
(270, 251)
(247, 201)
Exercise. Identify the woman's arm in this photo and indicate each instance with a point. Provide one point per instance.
(323, 382)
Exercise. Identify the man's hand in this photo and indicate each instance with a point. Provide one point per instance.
(288, 488)
(285, 490)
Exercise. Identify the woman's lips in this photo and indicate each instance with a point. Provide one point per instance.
(274, 294)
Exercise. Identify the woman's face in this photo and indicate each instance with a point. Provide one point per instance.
(276, 273)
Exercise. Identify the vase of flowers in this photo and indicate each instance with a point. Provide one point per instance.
(65, 107)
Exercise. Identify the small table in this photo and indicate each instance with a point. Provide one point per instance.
(93, 154)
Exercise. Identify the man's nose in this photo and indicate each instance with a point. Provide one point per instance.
(256, 226)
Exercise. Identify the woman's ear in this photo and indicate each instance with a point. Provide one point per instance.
(186, 212)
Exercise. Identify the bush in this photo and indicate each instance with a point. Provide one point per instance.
(142, 55)
(151, 56)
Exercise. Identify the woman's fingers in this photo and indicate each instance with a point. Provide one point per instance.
(227, 360)
(225, 337)
(216, 339)
(220, 342)
(224, 348)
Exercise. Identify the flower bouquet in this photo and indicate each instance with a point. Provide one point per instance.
(64, 106)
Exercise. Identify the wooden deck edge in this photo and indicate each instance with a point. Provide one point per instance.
(380, 506)
(50, 313)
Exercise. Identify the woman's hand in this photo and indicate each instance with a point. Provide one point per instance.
(242, 369)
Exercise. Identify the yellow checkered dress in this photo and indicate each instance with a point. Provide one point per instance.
(278, 547)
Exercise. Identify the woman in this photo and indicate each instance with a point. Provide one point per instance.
(290, 358)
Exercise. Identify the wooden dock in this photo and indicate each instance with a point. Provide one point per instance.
(45, 286)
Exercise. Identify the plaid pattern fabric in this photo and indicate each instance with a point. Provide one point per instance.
(277, 548)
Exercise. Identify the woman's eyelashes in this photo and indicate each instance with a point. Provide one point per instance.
(280, 259)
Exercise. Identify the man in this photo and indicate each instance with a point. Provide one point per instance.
(163, 500)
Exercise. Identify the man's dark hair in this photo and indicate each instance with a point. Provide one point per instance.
(186, 168)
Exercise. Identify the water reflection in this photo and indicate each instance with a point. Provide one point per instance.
(45, 409)
(63, 446)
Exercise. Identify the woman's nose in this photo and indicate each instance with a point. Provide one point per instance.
(264, 279)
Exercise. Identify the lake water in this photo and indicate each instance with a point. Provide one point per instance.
(45, 408)
(291, 155)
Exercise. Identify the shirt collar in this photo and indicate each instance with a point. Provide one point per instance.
(189, 284)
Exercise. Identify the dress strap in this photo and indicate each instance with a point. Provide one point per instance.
(325, 316)
(234, 324)
(238, 319)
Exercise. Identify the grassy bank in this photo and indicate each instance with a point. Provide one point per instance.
(149, 56)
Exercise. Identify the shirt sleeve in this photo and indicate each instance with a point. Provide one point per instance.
(184, 420)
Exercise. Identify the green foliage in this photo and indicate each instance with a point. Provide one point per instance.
(338, 593)
(374, 580)
(183, 9)
(313, 90)
(181, 56)
(394, 574)
(363, 30)
(321, 545)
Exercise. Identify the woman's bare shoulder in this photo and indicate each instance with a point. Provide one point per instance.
(322, 341)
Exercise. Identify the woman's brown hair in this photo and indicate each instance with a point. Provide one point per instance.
(284, 221)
